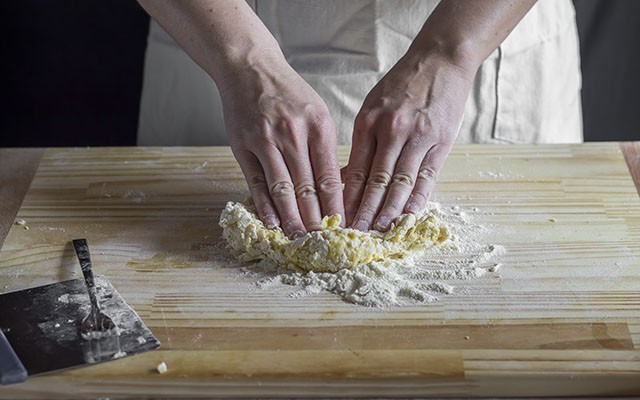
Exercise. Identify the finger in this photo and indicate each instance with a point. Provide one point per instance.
(304, 186)
(281, 191)
(254, 175)
(402, 183)
(375, 190)
(326, 169)
(356, 172)
(426, 178)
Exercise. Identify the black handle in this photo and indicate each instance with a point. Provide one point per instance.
(82, 251)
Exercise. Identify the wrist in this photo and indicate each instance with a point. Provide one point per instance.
(463, 53)
(246, 62)
(428, 61)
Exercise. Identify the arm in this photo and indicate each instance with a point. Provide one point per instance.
(410, 119)
(279, 129)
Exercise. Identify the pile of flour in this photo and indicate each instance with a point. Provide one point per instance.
(422, 277)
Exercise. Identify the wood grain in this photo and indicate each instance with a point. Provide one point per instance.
(561, 318)
(17, 168)
(631, 151)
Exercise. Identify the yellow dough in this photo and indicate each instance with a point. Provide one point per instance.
(331, 249)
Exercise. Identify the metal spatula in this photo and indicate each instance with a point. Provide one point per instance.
(96, 324)
(43, 327)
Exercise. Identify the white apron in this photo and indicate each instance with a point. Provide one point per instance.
(527, 91)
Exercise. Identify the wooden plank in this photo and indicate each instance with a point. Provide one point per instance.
(562, 336)
(561, 318)
(631, 151)
(17, 168)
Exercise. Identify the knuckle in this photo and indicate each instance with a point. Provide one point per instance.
(417, 140)
(321, 122)
(403, 179)
(419, 198)
(355, 177)
(281, 189)
(396, 121)
(379, 180)
(292, 225)
(265, 212)
(305, 190)
(393, 123)
(264, 132)
(427, 173)
(257, 183)
(417, 202)
(329, 184)
(392, 208)
(364, 120)
(366, 212)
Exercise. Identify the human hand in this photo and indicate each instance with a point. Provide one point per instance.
(284, 139)
(402, 135)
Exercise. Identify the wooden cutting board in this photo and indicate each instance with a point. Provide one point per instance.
(561, 318)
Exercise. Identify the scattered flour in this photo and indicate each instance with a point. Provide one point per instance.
(420, 277)
(119, 354)
(134, 195)
(162, 368)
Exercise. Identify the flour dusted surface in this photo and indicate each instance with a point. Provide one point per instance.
(415, 262)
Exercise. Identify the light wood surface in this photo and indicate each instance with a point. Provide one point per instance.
(631, 151)
(17, 167)
(562, 317)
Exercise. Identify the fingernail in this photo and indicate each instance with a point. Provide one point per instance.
(361, 225)
(297, 234)
(382, 224)
(413, 208)
(271, 221)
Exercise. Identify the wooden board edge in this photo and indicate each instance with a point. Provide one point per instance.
(17, 169)
(631, 151)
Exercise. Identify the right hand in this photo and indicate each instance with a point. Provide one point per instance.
(283, 137)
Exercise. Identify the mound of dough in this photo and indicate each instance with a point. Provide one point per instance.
(331, 249)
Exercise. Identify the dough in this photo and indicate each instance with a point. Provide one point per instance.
(331, 249)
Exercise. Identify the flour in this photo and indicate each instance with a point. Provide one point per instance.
(134, 195)
(420, 277)
(162, 368)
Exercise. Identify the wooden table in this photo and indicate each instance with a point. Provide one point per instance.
(150, 215)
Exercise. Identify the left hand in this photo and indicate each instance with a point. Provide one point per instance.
(402, 135)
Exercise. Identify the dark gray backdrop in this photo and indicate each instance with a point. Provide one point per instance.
(71, 70)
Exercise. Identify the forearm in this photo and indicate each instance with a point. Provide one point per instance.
(222, 36)
(467, 32)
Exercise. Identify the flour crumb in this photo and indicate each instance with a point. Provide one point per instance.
(135, 196)
(21, 222)
(162, 368)
(119, 354)
(201, 166)
(141, 340)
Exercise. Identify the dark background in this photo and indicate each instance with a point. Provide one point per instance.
(71, 71)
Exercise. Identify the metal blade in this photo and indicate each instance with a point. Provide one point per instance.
(43, 324)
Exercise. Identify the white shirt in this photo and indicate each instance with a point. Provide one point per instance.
(527, 91)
